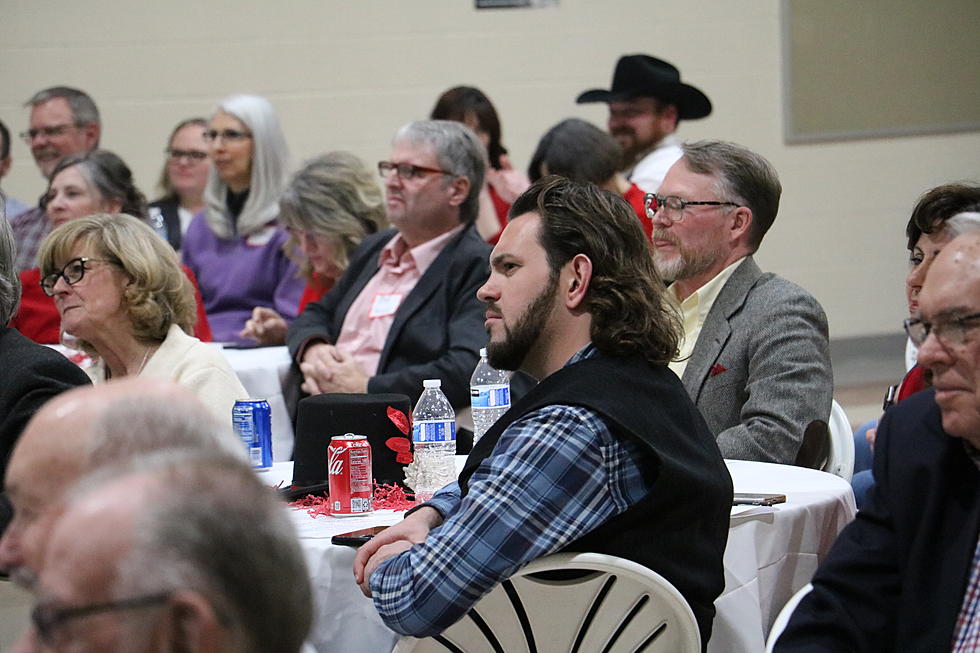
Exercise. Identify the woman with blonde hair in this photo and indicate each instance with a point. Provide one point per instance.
(121, 293)
(328, 208)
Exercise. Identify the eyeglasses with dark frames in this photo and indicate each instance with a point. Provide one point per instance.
(407, 170)
(72, 273)
(951, 333)
(191, 156)
(227, 135)
(673, 207)
(48, 132)
(48, 616)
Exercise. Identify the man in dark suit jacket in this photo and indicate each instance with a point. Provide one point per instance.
(375, 331)
(755, 356)
(899, 577)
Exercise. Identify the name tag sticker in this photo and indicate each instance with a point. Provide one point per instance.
(384, 305)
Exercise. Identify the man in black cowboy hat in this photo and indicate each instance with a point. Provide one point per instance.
(646, 101)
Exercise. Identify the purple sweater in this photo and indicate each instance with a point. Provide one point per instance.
(238, 274)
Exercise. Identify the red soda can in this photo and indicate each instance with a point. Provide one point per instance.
(349, 467)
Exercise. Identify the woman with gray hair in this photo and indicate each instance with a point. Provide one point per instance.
(30, 373)
(328, 208)
(120, 291)
(235, 247)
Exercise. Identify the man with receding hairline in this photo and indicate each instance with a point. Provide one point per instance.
(905, 574)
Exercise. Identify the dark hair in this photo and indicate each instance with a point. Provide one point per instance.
(743, 177)
(5, 146)
(577, 150)
(938, 205)
(626, 297)
(461, 102)
(110, 176)
(164, 183)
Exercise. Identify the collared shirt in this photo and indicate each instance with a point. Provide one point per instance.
(30, 228)
(966, 635)
(555, 475)
(694, 310)
(372, 313)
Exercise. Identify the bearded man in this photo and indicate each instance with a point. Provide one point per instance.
(575, 465)
(755, 356)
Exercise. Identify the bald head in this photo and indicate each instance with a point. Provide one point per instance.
(949, 308)
(86, 428)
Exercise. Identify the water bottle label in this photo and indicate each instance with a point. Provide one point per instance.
(442, 431)
(490, 396)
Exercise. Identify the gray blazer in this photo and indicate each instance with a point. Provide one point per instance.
(760, 370)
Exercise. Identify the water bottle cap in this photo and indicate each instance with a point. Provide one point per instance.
(432, 383)
(483, 352)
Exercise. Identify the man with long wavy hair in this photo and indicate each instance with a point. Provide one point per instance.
(606, 454)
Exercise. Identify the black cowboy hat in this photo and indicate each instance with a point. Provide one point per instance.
(640, 75)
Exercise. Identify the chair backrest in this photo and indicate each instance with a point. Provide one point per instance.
(579, 603)
(840, 462)
(784, 615)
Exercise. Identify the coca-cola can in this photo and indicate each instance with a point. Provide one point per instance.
(349, 468)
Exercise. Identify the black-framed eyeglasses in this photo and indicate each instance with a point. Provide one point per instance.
(407, 170)
(228, 135)
(191, 156)
(673, 207)
(72, 273)
(952, 332)
(47, 615)
(49, 132)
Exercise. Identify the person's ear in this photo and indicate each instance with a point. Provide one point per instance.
(578, 275)
(459, 189)
(193, 625)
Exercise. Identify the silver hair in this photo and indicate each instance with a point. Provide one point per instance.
(962, 223)
(83, 109)
(458, 151)
(9, 278)
(209, 525)
(128, 429)
(270, 167)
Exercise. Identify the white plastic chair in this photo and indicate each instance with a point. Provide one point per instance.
(782, 618)
(620, 605)
(840, 460)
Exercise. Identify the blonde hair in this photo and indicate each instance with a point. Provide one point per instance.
(159, 293)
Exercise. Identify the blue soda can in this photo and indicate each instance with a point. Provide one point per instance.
(252, 421)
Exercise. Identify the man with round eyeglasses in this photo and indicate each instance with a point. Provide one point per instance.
(64, 121)
(406, 308)
(905, 575)
(755, 354)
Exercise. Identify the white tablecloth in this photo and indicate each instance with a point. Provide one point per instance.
(771, 553)
(262, 371)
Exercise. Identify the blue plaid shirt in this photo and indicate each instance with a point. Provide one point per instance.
(555, 475)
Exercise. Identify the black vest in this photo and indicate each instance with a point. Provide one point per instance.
(681, 527)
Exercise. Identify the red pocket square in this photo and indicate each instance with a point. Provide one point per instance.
(717, 368)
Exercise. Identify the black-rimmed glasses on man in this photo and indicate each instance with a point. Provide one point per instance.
(47, 616)
(951, 332)
(673, 207)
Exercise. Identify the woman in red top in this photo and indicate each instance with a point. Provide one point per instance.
(328, 208)
(80, 185)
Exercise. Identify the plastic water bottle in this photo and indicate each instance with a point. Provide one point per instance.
(434, 437)
(489, 395)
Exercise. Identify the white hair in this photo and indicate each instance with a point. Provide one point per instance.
(962, 223)
(270, 167)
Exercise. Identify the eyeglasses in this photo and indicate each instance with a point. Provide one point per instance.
(191, 156)
(72, 273)
(229, 135)
(673, 207)
(951, 333)
(47, 616)
(407, 170)
(48, 132)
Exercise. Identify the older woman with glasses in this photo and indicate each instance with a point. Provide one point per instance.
(184, 176)
(92, 182)
(120, 291)
(235, 246)
(328, 208)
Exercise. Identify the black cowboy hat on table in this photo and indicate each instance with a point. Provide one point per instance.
(640, 75)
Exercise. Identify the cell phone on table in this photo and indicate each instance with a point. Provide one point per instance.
(754, 499)
(356, 538)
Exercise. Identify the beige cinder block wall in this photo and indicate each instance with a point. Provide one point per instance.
(345, 74)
